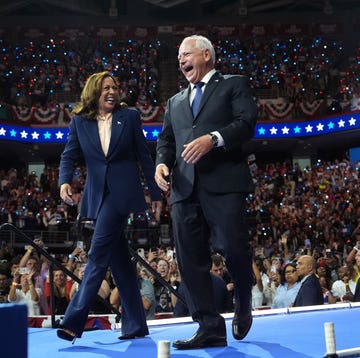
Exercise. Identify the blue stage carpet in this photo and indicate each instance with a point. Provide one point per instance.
(287, 334)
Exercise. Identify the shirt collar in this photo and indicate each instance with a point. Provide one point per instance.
(304, 278)
(205, 79)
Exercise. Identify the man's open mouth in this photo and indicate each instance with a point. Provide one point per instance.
(188, 68)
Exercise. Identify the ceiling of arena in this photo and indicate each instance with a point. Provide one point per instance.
(210, 7)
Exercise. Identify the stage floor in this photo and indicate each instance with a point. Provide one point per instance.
(292, 333)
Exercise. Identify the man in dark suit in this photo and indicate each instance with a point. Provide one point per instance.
(310, 292)
(201, 148)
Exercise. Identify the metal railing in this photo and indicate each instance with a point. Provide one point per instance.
(66, 239)
(51, 239)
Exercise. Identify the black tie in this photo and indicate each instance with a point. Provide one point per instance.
(197, 98)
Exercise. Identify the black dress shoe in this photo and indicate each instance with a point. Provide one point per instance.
(67, 335)
(202, 339)
(241, 326)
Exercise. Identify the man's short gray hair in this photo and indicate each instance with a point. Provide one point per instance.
(203, 43)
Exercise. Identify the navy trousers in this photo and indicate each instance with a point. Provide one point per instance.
(109, 248)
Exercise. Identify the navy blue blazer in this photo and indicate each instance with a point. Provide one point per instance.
(118, 170)
(310, 293)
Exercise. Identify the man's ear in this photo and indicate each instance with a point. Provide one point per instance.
(207, 55)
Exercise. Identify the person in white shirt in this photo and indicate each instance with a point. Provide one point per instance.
(25, 292)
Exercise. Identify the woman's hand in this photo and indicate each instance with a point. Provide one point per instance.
(66, 193)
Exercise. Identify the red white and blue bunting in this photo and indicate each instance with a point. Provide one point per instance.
(50, 115)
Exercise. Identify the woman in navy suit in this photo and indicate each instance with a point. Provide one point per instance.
(109, 137)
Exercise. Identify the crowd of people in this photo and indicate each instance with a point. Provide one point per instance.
(298, 69)
(33, 71)
(293, 212)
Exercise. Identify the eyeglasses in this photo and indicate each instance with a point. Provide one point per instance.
(290, 271)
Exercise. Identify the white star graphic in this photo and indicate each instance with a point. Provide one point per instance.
(352, 121)
(341, 123)
(285, 130)
(309, 128)
(145, 133)
(59, 135)
(24, 134)
(320, 127)
(273, 130)
(35, 135)
(2, 131)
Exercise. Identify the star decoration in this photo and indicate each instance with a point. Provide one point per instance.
(352, 121)
(331, 125)
(59, 135)
(261, 131)
(320, 127)
(285, 130)
(309, 128)
(145, 133)
(35, 135)
(341, 123)
(24, 134)
(2, 131)
(297, 129)
(47, 135)
(13, 133)
(273, 130)
(155, 133)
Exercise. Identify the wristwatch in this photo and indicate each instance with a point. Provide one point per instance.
(214, 139)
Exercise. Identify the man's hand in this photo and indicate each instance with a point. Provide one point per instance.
(197, 148)
(66, 193)
(162, 177)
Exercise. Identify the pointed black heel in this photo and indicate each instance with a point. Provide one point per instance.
(66, 335)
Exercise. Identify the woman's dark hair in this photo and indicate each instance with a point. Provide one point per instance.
(291, 264)
(90, 94)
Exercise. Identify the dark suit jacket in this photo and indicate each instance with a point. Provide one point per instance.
(226, 106)
(119, 169)
(310, 293)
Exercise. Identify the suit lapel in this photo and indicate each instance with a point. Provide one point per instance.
(209, 89)
(185, 103)
(91, 128)
(117, 128)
